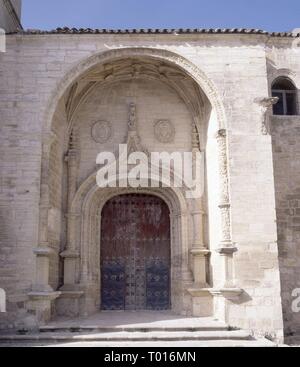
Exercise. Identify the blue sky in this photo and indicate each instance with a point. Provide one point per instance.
(270, 15)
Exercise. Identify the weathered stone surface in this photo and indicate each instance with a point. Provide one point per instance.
(286, 172)
(213, 85)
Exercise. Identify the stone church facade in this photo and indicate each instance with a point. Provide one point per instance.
(67, 95)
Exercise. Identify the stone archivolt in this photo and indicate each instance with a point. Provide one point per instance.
(131, 69)
(83, 214)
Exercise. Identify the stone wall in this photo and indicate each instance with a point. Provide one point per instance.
(31, 73)
(20, 167)
(57, 186)
(284, 61)
(286, 152)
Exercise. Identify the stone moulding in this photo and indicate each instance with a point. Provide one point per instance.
(200, 251)
(71, 294)
(227, 250)
(43, 296)
(228, 293)
(206, 301)
(70, 255)
(44, 251)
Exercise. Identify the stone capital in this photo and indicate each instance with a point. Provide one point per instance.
(198, 291)
(43, 251)
(70, 254)
(72, 215)
(228, 293)
(200, 251)
(226, 249)
(198, 212)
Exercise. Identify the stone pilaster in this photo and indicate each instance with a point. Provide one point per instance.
(199, 250)
(201, 298)
(226, 247)
(180, 259)
(42, 293)
(202, 302)
(69, 301)
(71, 255)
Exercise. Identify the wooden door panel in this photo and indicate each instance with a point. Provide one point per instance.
(113, 285)
(135, 253)
(157, 286)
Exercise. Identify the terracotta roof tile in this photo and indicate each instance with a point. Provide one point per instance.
(67, 30)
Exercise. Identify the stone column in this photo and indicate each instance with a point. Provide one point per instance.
(226, 292)
(199, 250)
(69, 303)
(226, 247)
(201, 298)
(71, 255)
(42, 293)
(180, 223)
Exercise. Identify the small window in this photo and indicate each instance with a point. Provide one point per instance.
(285, 90)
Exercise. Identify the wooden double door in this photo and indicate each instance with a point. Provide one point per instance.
(135, 254)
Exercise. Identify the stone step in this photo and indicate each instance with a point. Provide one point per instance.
(132, 336)
(261, 343)
(129, 329)
(135, 322)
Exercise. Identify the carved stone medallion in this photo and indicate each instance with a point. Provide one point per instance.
(164, 131)
(101, 131)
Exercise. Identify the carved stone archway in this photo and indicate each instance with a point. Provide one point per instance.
(84, 202)
(192, 70)
(82, 272)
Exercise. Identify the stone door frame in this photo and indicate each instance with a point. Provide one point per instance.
(83, 259)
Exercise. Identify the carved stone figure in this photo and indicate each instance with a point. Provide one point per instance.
(132, 117)
(266, 104)
(101, 131)
(164, 131)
